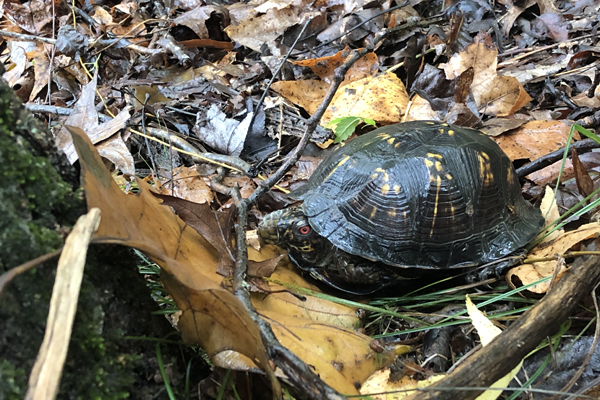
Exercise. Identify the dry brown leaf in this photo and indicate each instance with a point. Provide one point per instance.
(19, 61)
(498, 126)
(493, 94)
(420, 110)
(308, 94)
(584, 181)
(196, 19)
(382, 98)
(41, 68)
(85, 117)
(115, 150)
(528, 273)
(549, 210)
(534, 139)
(500, 96)
(512, 14)
(325, 67)
(186, 183)
(211, 315)
(102, 16)
(582, 100)
(548, 175)
(263, 24)
(34, 16)
(340, 363)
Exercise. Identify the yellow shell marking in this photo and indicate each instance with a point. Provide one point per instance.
(451, 132)
(385, 189)
(373, 212)
(433, 155)
(391, 140)
(484, 169)
(392, 213)
(438, 166)
(379, 170)
(428, 162)
(397, 189)
(510, 176)
(397, 145)
(342, 161)
(449, 177)
(438, 182)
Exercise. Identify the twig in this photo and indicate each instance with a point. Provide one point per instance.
(48, 109)
(9, 275)
(26, 38)
(583, 146)
(46, 372)
(534, 51)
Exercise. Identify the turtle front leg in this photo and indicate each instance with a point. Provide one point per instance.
(354, 269)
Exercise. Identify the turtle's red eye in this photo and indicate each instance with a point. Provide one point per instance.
(305, 230)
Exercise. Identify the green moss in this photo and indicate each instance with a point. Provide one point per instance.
(12, 381)
(36, 207)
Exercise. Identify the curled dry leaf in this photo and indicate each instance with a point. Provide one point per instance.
(264, 23)
(550, 212)
(196, 19)
(84, 116)
(493, 94)
(224, 134)
(487, 331)
(529, 273)
(41, 67)
(211, 315)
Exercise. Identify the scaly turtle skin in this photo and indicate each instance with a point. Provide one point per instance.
(420, 194)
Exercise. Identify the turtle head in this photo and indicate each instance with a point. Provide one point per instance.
(290, 228)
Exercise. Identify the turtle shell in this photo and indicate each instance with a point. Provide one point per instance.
(420, 194)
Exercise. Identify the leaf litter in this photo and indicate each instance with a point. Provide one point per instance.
(201, 83)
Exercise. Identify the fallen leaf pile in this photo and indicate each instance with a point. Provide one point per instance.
(164, 97)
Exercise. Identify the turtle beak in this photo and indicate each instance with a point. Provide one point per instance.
(268, 228)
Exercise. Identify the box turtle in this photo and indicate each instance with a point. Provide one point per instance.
(416, 195)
